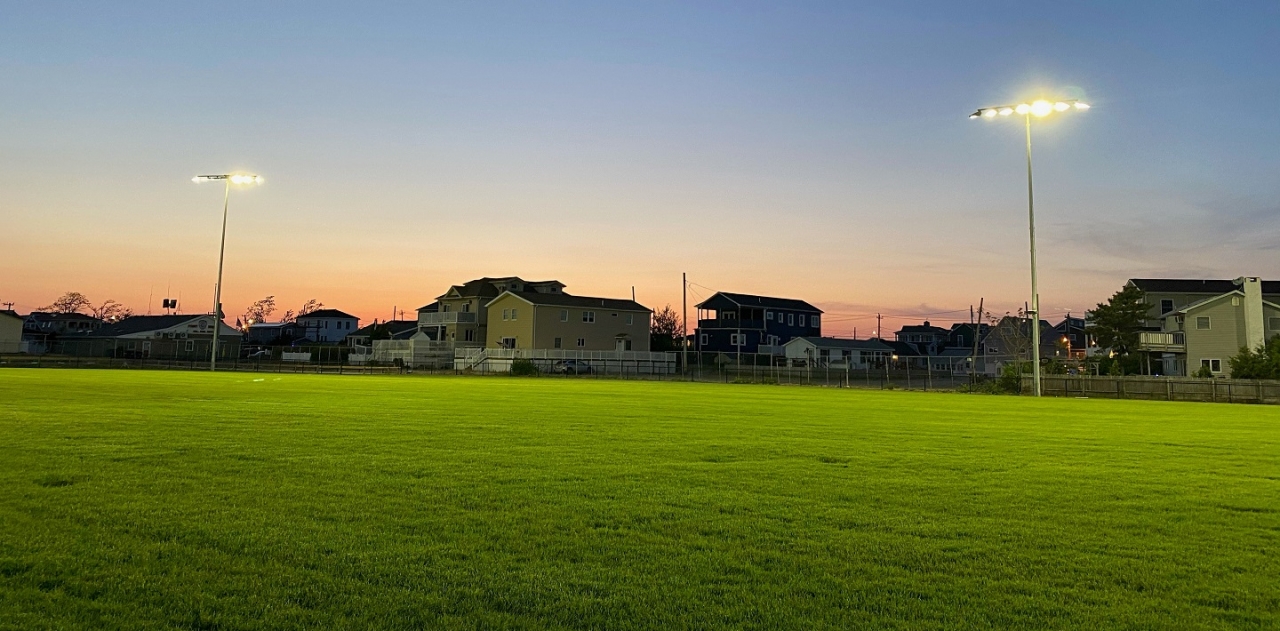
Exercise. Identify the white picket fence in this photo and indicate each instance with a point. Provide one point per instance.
(496, 360)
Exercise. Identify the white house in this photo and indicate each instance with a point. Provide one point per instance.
(830, 351)
(327, 325)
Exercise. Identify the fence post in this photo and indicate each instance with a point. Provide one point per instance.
(1168, 389)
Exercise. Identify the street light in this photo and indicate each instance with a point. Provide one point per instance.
(228, 179)
(1039, 109)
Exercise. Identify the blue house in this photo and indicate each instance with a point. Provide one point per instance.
(742, 323)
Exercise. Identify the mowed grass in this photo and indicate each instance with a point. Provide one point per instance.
(242, 501)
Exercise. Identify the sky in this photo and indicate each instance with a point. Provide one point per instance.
(819, 151)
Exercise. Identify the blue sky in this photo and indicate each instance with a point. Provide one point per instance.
(813, 150)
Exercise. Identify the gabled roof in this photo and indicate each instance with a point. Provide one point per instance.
(328, 313)
(394, 327)
(431, 308)
(1212, 299)
(749, 300)
(140, 324)
(565, 300)
(1188, 286)
(835, 342)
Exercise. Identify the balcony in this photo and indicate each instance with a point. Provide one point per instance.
(731, 323)
(1175, 342)
(447, 317)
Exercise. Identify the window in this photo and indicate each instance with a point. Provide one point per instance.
(558, 343)
(582, 341)
(588, 316)
(506, 314)
(513, 314)
(191, 346)
(813, 321)
(801, 319)
(631, 319)
(1166, 306)
(1274, 323)
(466, 307)
(768, 316)
(508, 342)
(1202, 323)
(1214, 365)
(614, 315)
(469, 335)
(791, 319)
(702, 339)
(564, 315)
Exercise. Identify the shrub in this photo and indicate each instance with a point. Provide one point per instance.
(524, 368)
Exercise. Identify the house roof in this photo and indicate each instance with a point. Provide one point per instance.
(328, 313)
(835, 342)
(434, 307)
(487, 287)
(565, 300)
(922, 328)
(271, 325)
(139, 324)
(749, 300)
(902, 349)
(1201, 303)
(11, 313)
(1188, 286)
(48, 316)
(394, 327)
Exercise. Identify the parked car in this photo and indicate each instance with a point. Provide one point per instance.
(571, 367)
(260, 354)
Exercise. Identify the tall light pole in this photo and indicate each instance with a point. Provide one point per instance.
(1039, 109)
(228, 179)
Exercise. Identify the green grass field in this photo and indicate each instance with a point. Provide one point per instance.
(134, 499)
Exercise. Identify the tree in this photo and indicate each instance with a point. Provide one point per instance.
(110, 311)
(665, 333)
(70, 302)
(310, 306)
(1116, 323)
(1262, 363)
(259, 310)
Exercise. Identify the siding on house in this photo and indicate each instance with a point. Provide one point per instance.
(10, 332)
(1226, 333)
(537, 326)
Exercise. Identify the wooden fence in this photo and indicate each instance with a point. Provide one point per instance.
(1159, 388)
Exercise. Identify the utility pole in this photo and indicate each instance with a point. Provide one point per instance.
(684, 322)
(879, 335)
(977, 326)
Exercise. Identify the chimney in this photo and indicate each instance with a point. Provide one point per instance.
(1254, 335)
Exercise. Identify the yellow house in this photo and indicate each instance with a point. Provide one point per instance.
(536, 320)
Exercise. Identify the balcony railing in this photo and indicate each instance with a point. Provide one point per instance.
(1161, 341)
(730, 323)
(447, 317)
